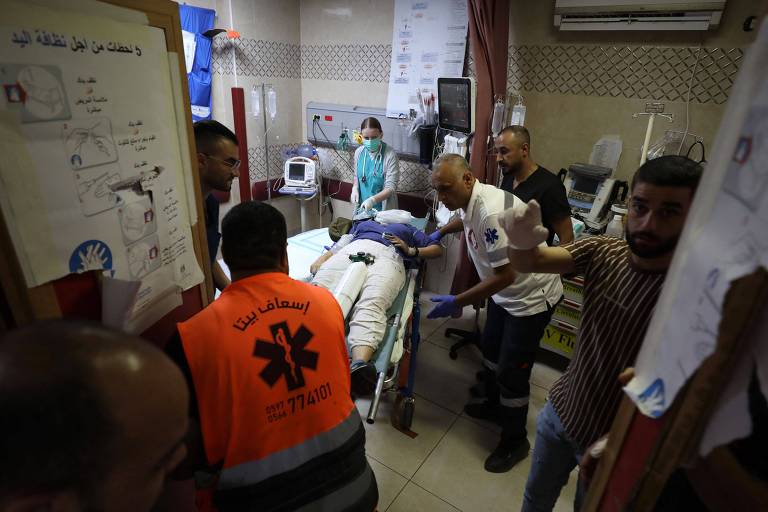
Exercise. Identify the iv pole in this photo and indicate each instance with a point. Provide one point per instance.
(263, 87)
(264, 110)
(649, 129)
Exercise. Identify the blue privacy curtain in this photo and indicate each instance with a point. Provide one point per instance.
(197, 51)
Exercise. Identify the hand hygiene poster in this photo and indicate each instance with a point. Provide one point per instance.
(91, 174)
(429, 39)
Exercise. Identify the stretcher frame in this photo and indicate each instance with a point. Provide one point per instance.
(397, 321)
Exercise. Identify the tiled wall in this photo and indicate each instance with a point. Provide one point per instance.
(346, 62)
(267, 52)
(346, 49)
(577, 86)
(580, 86)
(340, 56)
(645, 72)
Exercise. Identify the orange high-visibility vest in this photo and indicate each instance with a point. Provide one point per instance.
(271, 375)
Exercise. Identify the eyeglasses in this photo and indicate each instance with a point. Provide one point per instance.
(228, 163)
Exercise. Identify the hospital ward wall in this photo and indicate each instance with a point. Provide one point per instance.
(346, 49)
(266, 52)
(578, 86)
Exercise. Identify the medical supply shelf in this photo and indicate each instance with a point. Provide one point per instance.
(561, 333)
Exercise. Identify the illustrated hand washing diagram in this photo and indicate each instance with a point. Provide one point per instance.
(93, 175)
(37, 93)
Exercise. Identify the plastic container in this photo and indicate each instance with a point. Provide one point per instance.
(615, 228)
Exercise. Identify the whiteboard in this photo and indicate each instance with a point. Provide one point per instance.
(429, 41)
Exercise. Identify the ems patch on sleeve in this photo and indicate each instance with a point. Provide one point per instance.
(491, 237)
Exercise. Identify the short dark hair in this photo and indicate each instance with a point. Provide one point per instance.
(669, 171)
(208, 133)
(56, 430)
(370, 122)
(520, 132)
(253, 236)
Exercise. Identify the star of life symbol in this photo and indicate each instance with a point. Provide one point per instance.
(491, 235)
(287, 355)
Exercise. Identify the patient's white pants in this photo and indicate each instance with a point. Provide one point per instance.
(386, 276)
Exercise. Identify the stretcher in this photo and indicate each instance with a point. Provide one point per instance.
(402, 322)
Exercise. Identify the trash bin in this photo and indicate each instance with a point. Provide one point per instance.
(426, 143)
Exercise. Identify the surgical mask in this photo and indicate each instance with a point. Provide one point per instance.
(372, 145)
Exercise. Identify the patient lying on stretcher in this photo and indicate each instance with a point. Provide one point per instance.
(389, 245)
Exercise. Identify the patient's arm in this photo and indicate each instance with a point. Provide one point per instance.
(314, 267)
(431, 251)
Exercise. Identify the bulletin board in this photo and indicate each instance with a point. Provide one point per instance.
(101, 204)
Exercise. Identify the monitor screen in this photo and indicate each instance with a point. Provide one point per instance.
(296, 172)
(586, 185)
(454, 105)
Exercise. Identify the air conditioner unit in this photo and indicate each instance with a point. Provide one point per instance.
(637, 15)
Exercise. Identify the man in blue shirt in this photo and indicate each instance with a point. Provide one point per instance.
(390, 245)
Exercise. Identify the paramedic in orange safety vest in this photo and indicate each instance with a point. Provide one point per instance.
(268, 370)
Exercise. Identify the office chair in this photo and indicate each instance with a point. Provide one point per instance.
(466, 337)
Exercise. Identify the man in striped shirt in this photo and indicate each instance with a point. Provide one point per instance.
(622, 282)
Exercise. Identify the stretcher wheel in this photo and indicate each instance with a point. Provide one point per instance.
(453, 354)
(406, 414)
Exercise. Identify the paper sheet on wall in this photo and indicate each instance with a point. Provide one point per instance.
(87, 111)
(724, 239)
(428, 41)
(190, 46)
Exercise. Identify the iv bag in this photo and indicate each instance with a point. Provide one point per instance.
(272, 103)
(255, 102)
(498, 117)
(518, 115)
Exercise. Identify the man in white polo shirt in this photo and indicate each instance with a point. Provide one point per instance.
(513, 330)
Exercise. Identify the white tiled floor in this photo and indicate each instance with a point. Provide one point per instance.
(441, 469)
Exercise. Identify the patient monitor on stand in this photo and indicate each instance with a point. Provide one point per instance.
(300, 182)
(299, 173)
(591, 191)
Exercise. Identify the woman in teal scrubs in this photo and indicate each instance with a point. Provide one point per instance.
(376, 170)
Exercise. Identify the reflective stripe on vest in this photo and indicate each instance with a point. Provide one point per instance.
(290, 458)
(351, 495)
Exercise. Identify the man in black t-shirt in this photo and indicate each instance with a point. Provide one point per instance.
(528, 180)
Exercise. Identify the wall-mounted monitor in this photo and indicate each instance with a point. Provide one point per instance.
(456, 98)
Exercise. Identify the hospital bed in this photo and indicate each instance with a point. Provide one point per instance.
(402, 320)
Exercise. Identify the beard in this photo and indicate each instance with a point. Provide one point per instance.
(509, 170)
(651, 246)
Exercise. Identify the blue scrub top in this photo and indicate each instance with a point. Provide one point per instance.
(372, 168)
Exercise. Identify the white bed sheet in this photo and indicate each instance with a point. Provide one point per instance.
(303, 250)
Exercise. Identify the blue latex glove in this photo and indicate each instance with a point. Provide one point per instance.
(446, 307)
(435, 236)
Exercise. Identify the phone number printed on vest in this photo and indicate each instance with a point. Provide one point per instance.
(297, 403)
